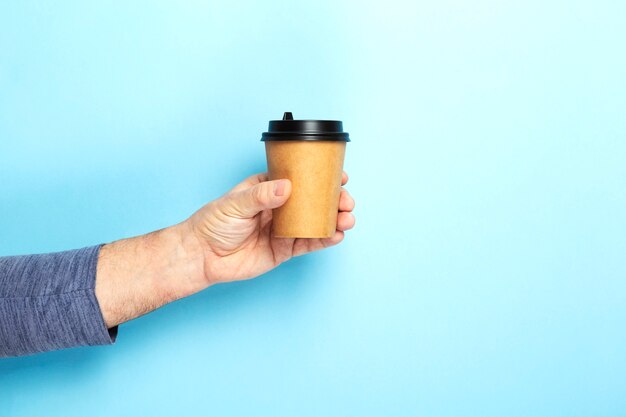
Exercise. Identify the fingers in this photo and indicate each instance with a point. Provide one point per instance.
(248, 202)
(332, 241)
(345, 221)
(303, 246)
(346, 202)
(344, 178)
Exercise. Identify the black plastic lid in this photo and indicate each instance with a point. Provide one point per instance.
(289, 129)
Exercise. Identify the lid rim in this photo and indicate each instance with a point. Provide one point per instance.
(301, 132)
(305, 137)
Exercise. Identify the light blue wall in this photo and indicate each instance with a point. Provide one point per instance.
(487, 272)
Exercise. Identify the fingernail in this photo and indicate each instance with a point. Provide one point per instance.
(279, 188)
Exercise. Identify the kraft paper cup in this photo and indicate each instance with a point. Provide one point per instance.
(315, 169)
(310, 153)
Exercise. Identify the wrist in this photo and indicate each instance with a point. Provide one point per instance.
(137, 275)
(183, 263)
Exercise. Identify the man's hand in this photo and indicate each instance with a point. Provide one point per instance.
(228, 239)
(235, 230)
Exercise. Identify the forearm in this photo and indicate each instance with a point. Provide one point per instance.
(137, 275)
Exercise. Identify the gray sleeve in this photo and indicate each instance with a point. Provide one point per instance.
(48, 302)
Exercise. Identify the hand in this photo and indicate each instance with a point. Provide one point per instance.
(228, 239)
(234, 231)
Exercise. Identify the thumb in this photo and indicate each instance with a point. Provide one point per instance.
(263, 196)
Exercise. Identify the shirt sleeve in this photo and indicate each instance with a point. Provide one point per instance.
(48, 302)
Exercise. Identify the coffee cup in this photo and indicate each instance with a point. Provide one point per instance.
(310, 153)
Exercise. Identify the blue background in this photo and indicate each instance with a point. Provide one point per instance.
(486, 275)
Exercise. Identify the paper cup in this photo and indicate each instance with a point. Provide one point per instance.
(310, 153)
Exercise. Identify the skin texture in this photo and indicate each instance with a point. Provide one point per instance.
(228, 239)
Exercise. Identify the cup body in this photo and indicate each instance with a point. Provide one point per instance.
(315, 169)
